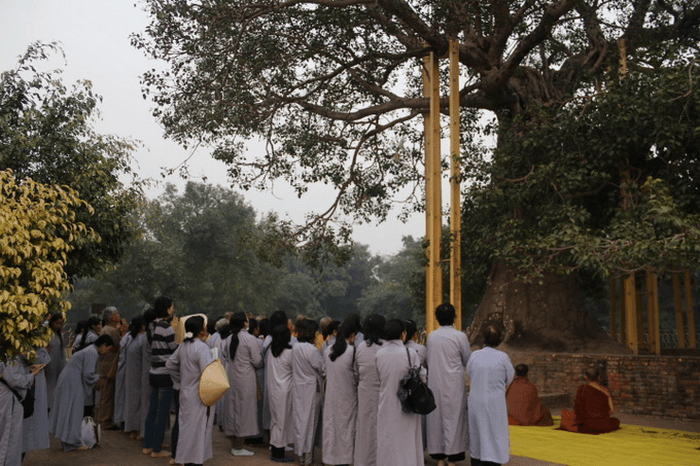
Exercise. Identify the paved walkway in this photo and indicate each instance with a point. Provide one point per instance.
(117, 449)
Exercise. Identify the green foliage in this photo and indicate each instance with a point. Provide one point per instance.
(46, 134)
(608, 183)
(199, 248)
(38, 229)
(399, 286)
(204, 248)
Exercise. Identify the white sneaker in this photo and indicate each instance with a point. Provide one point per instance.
(241, 452)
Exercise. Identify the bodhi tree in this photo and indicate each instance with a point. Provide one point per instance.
(38, 229)
(334, 90)
(46, 134)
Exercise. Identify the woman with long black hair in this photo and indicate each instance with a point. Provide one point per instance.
(241, 356)
(195, 420)
(91, 332)
(340, 405)
(368, 390)
(307, 369)
(278, 375)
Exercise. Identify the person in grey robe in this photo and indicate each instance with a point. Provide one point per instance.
(74, 392)
(448, 353)
(340, 404)
(307, 374)
(91, 332)
(398, 432)
(277, 318)
(241, 355)
(196, 420)
(18, 377)
(35, 428)
(490, 373)
(133, 376)
(120, 381)
(368, 391)
(57, 353)
(412, 342)
(278, 376)
(149, 315)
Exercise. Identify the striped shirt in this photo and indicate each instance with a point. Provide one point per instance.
(162, 346)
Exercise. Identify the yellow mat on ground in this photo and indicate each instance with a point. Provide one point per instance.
(631, 445)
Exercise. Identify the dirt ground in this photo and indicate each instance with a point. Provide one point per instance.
(118, 449)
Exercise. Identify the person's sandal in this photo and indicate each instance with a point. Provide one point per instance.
(161, 454)
(147, 451)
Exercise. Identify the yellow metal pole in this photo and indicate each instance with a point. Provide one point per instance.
(433, 193)
(436, 180)
(455, 198)
(680, 324)
(631, 314)
(653, 313)
(623, 318)
(613, 307)
(692, 343)
(429, 304)
(640, 318)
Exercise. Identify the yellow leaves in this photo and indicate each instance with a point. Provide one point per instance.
(36, 233)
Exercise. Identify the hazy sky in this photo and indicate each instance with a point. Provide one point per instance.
(95, 39)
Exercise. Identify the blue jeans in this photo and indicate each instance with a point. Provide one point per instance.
(157, 419)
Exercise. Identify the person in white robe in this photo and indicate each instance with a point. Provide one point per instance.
(35, 428)
(412, 342)
(340, 404)
(241, 356)
(276, 318)
(74, 393)
(278, 376)
(398, 433)
(133, 375)
(92, 331)
(367, 391)
(307, 374)
(196, 420)
(448, 353)
(15, 375)
(490, 373)
(57, 353)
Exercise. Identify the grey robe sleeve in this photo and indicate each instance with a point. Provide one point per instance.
(173, 366)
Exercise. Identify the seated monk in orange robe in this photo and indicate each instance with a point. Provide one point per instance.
(524, 407)
(592, 408)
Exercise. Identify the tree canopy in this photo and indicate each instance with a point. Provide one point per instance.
(46, 134)
(38, 229)
(205, 248)
(334, 87)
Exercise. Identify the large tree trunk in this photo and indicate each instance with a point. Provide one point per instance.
(540, 317)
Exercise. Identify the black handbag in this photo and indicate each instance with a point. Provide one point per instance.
(414, 394)
(28, 400)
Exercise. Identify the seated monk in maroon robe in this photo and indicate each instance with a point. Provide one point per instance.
(524, 407)
(592, 408)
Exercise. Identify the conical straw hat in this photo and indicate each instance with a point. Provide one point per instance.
(213, 383)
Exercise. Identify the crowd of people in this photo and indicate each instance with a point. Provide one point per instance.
(301, 383)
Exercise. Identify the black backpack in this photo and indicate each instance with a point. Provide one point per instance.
(414, 394)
